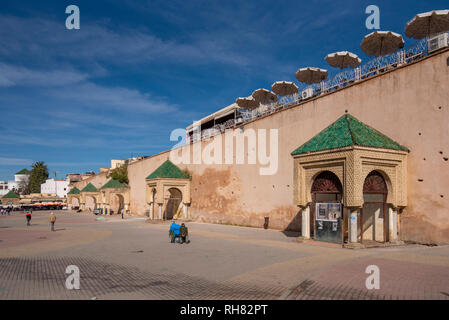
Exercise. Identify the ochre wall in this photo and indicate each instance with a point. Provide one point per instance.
(97, 180)
(410, 105)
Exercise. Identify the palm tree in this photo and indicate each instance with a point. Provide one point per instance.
(38, 175)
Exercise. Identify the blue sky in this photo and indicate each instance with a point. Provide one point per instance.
(136, 70)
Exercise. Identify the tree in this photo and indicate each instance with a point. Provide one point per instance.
(120, 174)
(38, 175)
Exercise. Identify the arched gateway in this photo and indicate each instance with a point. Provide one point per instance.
(374, 209)
(354, 177)
(327, 193)
(168, 192)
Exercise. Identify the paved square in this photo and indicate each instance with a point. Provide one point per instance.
(133, 259)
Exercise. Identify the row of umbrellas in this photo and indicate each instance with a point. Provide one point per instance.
(377, 43)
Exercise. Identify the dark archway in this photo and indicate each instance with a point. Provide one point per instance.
(327, 193)
(75, 203)
(327, 182)
(375, 183)
(117, 203)
(374, 224)
(173, 203)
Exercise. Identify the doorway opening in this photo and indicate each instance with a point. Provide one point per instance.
(174, 204)
(374, 211)
(326, 223)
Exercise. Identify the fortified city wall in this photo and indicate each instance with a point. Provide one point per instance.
(409, 105)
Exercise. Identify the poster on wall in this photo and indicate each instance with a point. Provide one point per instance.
(321, 211)
(334, 211)
(328, 211)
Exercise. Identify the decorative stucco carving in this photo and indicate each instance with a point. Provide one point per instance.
(352, 165)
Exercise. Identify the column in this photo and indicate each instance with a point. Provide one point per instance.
(159, 206)
(186, 212)
(353, 225)
(393, 224)
(305, 224)
(150, 212)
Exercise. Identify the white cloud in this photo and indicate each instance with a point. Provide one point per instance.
(15, 161)
(91, 94)
(95, 42)
(11, 75)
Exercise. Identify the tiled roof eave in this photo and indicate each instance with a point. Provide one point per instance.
(116, 188)
(346, 148)
(378, 149)
(162, 178)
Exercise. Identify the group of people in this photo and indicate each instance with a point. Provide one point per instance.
(6, 211)
(176, 231)
(179, 232)
(52, 219)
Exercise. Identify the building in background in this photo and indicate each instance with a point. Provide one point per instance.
(117, 163)
(58, 187)
(20, 178)
(73, 177)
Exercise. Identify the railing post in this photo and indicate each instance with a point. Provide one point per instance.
(358, 73)
(401, 57)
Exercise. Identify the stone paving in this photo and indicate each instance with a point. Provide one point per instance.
(132, 259)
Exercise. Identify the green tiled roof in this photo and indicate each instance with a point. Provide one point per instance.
(348, 131)
(74, 191)
(89, 188)
(23, 171)
(169, 170)
(114, 184)
(11, 195)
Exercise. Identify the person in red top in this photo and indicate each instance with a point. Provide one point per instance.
(28, 216)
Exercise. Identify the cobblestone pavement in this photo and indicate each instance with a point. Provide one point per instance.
(132, 259)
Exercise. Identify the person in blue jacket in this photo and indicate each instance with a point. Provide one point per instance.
(178, 231)
(173, 232)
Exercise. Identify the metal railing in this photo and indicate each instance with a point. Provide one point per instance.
(339, 81)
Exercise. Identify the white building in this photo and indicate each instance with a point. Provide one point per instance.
(59, 187)
(6, 186)
(4, 189)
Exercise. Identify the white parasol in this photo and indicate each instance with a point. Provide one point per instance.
(311, 75)
(284, 88)
(247, 103)
(427, 24)
(381, 43)
(343, 60)
(264, 96)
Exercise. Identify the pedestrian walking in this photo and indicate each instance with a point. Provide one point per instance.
(52, 221)
(28, 217)
(121, 211)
